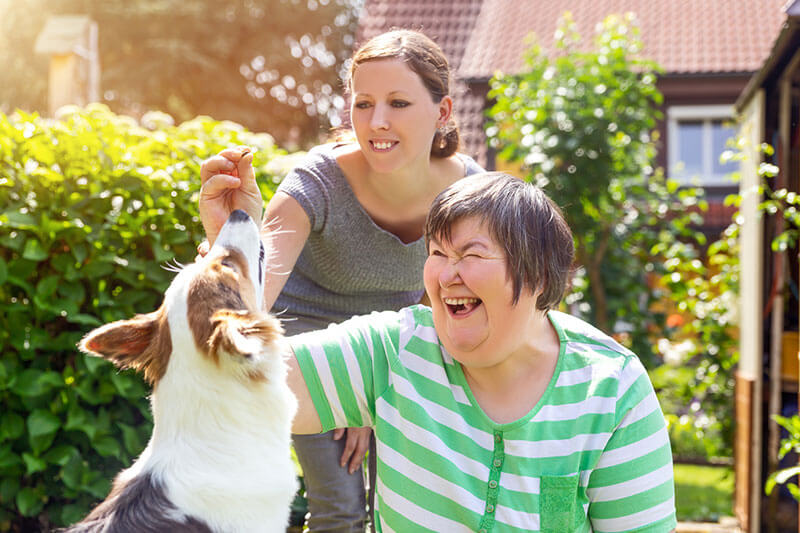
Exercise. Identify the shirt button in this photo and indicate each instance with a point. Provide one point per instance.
(497, 463)
(490, 508)
(498, 437)
(481, 531)
(493, 484)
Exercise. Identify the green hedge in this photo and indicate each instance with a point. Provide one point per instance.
(91, 205)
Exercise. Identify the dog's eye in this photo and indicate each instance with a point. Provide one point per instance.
(261, 262)
(229, 264)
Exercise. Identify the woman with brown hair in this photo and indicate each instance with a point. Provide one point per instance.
(346, 226)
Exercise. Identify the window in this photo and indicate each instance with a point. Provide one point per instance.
(696, 137)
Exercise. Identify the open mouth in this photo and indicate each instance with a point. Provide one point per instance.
(382, 146)
(460, 307)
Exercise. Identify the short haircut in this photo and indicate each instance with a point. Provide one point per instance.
(520, 218)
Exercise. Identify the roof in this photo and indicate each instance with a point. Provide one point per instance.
(682, 36)
(782, 55)
(63, 34)
(450, 23)
(481, 37)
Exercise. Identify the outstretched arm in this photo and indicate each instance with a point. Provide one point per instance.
(306, 420)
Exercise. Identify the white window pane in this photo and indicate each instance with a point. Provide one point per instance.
(720, 134)
(690, 147)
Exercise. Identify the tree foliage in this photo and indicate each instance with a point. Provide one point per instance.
(269, 65)
(90, 206)
(580, 121)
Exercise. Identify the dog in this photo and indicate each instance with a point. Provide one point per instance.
(219, 457)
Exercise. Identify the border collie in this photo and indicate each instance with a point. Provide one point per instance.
(219, 456)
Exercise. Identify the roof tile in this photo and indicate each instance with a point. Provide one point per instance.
(682, 36)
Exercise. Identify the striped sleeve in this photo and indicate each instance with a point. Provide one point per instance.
(632, 486)
(341, 364)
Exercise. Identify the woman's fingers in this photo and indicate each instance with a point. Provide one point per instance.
(355, 448)
(215, 165)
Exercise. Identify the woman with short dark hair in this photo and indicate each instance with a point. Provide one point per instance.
(491, 410)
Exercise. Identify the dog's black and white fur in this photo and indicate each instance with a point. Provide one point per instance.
(219, 456)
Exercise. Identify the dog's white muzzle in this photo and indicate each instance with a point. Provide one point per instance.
(241, 232)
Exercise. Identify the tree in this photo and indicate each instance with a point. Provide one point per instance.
(580, 122)
(272, 66)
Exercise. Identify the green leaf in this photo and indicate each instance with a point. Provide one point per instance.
(72, 513)
(128, 384)
(3, 271)
(34, 250)
(84, 319)
(19, 220)
(29, 502)
(782, 476)
(794, 490)
(80, 251)
(97, 268)
(12, 426)
(8, 458)
(33, 464)
(107, 446)
(42, 428)
(9, 487)
(78, 420)
(32, 382)
(47, 286)
(94, 363)
(73, 472)
(61, 454)
(132, 438)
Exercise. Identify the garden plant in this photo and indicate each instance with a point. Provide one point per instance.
(92, 205)
(580, 122)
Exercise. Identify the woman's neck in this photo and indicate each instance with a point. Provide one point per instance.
(509, 390)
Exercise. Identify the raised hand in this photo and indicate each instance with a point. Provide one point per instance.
(228, 183)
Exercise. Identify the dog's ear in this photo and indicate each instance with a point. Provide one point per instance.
(241, 332)
(142, 342)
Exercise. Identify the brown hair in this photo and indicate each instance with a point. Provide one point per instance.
(427, 60)
(522, 219)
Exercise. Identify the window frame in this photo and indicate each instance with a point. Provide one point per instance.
(705, 114)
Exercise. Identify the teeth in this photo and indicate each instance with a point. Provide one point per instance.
(379, 145)
(460, 301)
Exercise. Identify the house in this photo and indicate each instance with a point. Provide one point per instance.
(721, 60)
(708, 51)
(767, 377)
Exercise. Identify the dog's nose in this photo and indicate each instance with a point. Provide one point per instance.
(238, 216)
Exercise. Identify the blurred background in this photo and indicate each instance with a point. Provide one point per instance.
(271, 66)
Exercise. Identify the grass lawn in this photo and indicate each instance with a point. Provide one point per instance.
(703, 493)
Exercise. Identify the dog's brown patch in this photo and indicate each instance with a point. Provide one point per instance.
(232, 329)
(142, 342)
(220, 286)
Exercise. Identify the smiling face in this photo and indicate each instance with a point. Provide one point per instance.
(471, 295)
(393, 115)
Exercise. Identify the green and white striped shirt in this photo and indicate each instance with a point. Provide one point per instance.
(592, 455)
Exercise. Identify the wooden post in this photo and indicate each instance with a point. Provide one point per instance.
(749, 381)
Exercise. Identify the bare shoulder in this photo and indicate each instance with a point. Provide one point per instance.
(350, 160)
(450, 169)
(347, 152)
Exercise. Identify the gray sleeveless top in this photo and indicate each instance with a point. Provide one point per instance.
(349, 265)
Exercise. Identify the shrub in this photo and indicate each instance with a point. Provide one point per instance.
(90, 205)
(580, 122)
